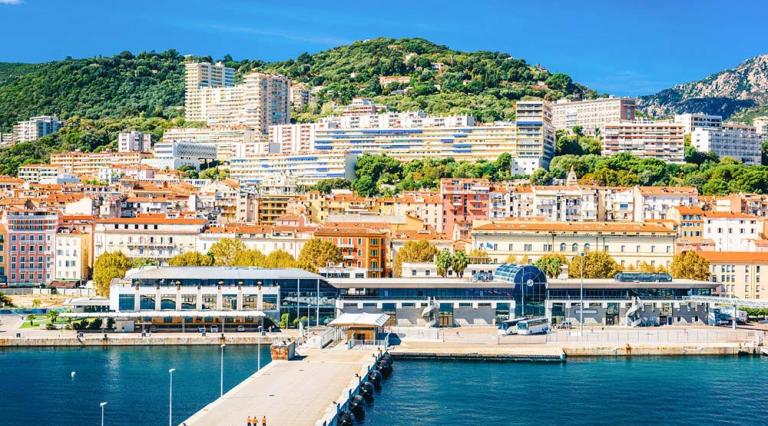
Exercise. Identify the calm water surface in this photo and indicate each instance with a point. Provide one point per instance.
(36, 387)
(638, 391)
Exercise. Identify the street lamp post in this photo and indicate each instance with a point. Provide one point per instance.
(221, 378)
(581, 297)
(170, 398)
(102, 404)
(258, 349)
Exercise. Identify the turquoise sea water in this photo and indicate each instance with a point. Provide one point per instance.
(615, 391)
(36, 387)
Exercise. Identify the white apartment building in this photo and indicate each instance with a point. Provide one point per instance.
(91, 163)
(743, 275)
(265, 239)
(172, 155)
(653, 202)
(699, 120)
(151, 236)
(566, 203)
(592, 114)
(301, 96)
(35, 128)
(72, 257)
(739, 142)
(307, 169)
(199, 75)
(619, 204)
(732, 231)
(646, 139)
(426, 206)
(230, 142)
(629, 244)
(262, 100)
(134, 141)
(761, 125)
(397, 120)
(39, 172)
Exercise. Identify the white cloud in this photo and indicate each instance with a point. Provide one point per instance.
(10, 2)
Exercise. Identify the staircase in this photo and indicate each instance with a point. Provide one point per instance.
(633, 321)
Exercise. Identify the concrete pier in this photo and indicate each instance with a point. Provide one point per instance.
(298, 392)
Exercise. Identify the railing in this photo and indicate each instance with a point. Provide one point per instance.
(364, 343)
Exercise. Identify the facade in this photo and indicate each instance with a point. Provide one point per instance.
(260, 101)
(265, 239)
(35, 128)
(199, 75)
(464, 201)
(740, 143)
(306, 169)
(630, 244)
(653, 202)
(229, 142)
(149, 236)
(91, 163)
(360, 247)
(40, 172)
(134, 141)
(73, 250)
(761, 125)
(30, 237)
(732, 231)
(742, 274)
(645, 139)
(172, 155)
(301, 96)
(567, 203)
(699, 120)
(592, 114)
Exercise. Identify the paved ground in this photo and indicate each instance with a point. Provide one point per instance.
(289, 392)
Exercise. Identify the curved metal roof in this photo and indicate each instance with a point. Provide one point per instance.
(520, 274)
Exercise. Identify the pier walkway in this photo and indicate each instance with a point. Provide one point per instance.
(297, 392)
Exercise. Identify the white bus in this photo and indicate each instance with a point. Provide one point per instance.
(508, 327)
(533, 326)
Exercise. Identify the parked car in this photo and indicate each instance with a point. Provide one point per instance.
(214, 329)
(240, 328)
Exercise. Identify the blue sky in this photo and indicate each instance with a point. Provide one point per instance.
(619, 47)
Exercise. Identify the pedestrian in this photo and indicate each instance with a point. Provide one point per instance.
(263, 420)
(249, 421)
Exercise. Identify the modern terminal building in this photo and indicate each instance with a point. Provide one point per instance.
(194, 297)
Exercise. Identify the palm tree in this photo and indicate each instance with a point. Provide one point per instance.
(443, 262)
(459, 262)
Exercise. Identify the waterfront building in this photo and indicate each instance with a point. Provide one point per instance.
(134, 141)
(147, 236)
(732, 231)
(645, 139)
(264, 238)
(737, 142)
(699, 120)
(464, 201)
(630, 244)
(307, 169)
(200, 75)
(592, 114)
(35, 173)
(30, 236)
(178, 297)
(35, 128)
(653, 202)
(173, 155)
(742, 274)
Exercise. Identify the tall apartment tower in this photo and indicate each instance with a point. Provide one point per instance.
(134, 141)
(200, 75)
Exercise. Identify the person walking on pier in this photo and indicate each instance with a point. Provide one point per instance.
(263, 420)
(249, 420)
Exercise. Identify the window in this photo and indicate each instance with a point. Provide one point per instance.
(562, 247)
(574, 247)
(587, 247)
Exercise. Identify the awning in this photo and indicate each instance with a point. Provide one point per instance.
(360, 320)
(171, 314)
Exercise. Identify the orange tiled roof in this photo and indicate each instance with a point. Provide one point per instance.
(734, 256)
(668, 190)
(728, 215)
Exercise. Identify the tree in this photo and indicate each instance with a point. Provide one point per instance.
(551, 264)
(225, 250)
(443, 262)
(318, 253)
(248, 257)
(413, 251)
(279, 259)
(690, 265)
(459, 262)
(597, 264)
(479, 255)
(107, 267)
(6, 300)
(52, 316)
(540, 177)
(191, 258)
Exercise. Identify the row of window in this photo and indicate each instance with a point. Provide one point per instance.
(575, 247)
